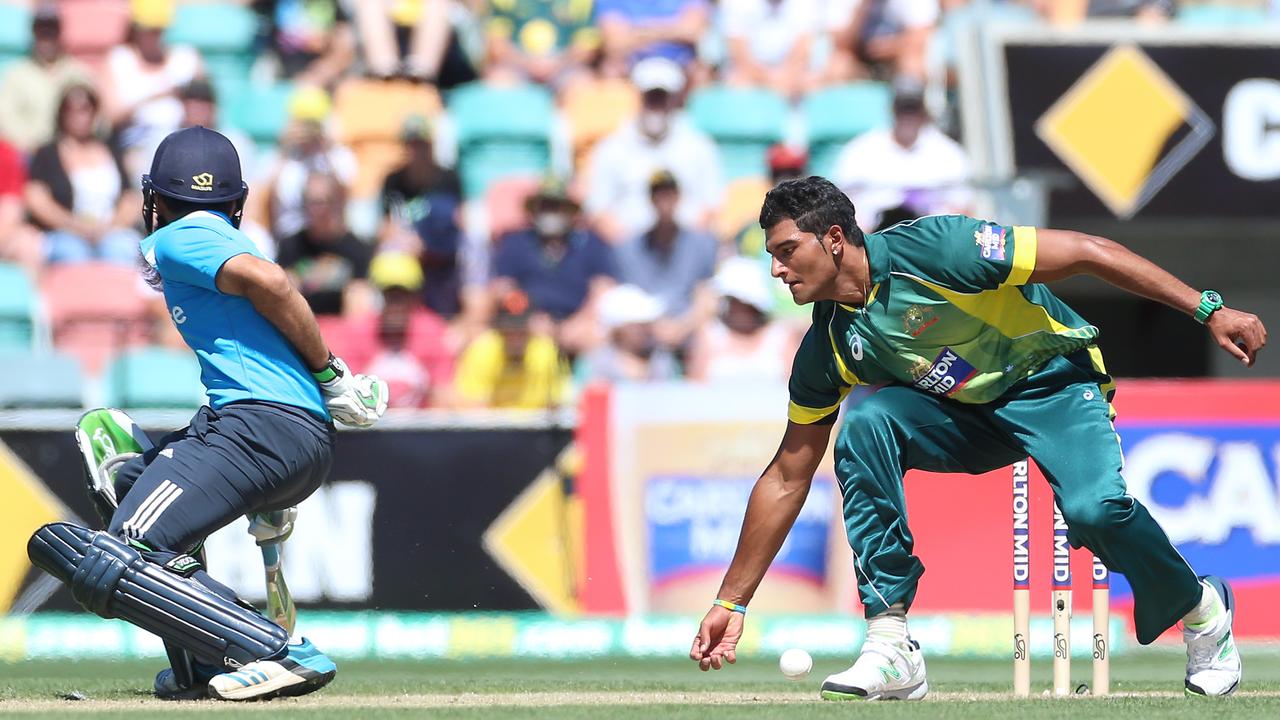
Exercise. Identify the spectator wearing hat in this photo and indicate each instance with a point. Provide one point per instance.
(310, 42)
(306, 148)
(770, 44)
(631, 351)
(551, 43)
(633, 30)
(660, 138)
(515, 364)
(422, 207)
(405, 340)
(33, 85)
(904, 171)
(673, 263)
(743, 343)
(328, 264)
(561, 267)
(77, 192)
(143, 77)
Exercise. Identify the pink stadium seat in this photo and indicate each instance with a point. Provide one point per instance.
(95, 310)
(504, 204)
(91, 27)
(347, 339)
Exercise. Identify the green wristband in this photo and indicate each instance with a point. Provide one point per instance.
(731, 606)
(326, 373)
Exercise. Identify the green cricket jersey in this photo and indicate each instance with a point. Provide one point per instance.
(949, 313)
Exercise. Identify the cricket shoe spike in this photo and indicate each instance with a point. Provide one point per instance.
(167, 686)
(884, 671)
(303, 670)
(1213, 662)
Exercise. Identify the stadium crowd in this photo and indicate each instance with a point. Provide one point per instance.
(486, 203)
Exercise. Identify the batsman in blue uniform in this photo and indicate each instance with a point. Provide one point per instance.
(262, 444)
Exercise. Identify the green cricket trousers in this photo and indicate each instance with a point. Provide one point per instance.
(1060, 418)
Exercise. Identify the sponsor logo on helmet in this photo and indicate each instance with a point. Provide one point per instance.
(202, 182)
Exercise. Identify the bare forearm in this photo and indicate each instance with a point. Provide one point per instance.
(771, 511)
(289, 313)
(1125, 269)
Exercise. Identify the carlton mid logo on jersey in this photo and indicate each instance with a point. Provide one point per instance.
(947, 374)
(990, 241)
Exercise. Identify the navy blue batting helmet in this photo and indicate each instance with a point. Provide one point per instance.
(195, 165)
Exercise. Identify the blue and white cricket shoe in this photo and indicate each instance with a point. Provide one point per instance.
(305, 669)
(1213, 662)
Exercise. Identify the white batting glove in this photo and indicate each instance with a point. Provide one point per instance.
(272, 527)
(352, 399)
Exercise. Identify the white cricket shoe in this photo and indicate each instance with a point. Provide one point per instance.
(884, 671)
(305, 669)
(1213, 662)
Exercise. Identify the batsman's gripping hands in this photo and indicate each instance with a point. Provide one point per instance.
(352, 399)
(717, 639)
(272, 527)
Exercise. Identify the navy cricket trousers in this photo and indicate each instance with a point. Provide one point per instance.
(244, 457)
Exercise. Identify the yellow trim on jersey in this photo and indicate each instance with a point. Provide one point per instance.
(1108, 387)
(1005, 309)
(808, 416)
(1024, 255)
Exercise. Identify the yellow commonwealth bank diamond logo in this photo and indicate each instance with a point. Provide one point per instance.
(1125, 128)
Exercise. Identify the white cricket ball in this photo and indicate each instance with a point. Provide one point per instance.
(795, 664)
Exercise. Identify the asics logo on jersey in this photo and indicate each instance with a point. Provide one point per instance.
(179, 315)
(855, 346)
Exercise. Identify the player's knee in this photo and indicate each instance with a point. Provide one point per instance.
(1091, 514)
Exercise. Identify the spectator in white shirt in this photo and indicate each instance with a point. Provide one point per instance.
(907, 170)
(660, 138)
(771, 43)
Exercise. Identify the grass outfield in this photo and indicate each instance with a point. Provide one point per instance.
(1146, 684)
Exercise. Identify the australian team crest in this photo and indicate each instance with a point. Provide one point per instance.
(990, 241)
(917, 319)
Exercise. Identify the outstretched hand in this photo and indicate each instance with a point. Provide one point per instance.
(1239, 333)
(717, 639)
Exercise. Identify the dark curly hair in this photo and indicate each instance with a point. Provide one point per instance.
(814, 203)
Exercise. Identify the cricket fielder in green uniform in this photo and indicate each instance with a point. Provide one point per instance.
(981, 365)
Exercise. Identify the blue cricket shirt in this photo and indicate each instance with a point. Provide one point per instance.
(242, 355)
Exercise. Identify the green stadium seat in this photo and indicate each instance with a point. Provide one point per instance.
(259, 112)
(17, 306)
(15, 29)
(214, 28)
(501, 132)
(836, 115)
(153, 377)
(744, 122)
(40, 380)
